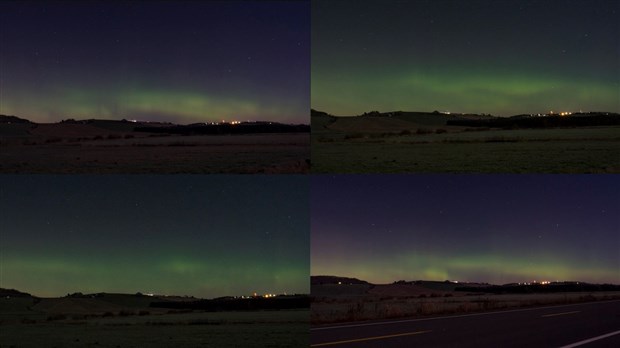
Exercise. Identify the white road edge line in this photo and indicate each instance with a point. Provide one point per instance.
(453, 316)
(580, 343)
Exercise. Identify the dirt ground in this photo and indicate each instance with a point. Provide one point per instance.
(346, 303)
(261, 153)
(117, 321)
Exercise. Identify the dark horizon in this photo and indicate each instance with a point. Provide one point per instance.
(148, 294)
(536, 281)
(558, 113)
(146, 121)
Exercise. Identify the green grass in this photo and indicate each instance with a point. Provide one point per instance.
(320, 124)
(587, 150)
(575, 134)
(16, 309)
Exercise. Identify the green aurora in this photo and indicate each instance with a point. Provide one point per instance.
(175, 235)
(146, 104)
(170, 275)
(480, 228)
(467, 267)
(497, 93)
(503, 58)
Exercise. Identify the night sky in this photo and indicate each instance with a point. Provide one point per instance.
(482, 228)
(177, 235)
(178, 61)
(482, 56)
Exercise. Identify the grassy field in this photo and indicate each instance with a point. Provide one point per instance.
(117, 153)
(382, 145)
(331, 305)
(26, 323)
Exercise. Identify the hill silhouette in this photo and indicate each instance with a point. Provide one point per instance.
(100, 303)
(327, 279)
(13, 293)
(13, 119)
(125, 125)
(394, 121)
(402, 286)
(399, 120)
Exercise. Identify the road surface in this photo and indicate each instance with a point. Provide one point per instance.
(591, 325)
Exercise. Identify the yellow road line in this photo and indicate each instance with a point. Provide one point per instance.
(556, 314)
(368, 338)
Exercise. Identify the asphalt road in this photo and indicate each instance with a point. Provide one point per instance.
(577, 325)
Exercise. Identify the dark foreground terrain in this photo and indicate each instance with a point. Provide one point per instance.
(339, 299)
(98, 146)
(415, 142)
(349, 312)
(117, 320)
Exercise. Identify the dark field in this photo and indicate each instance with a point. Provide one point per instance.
(425, 144)
(110, 148)
(127, 321)
(334, 303)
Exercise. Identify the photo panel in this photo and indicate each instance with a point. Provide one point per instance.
(464, 260)
(449, 86)
(155, 87)
(154, 261)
